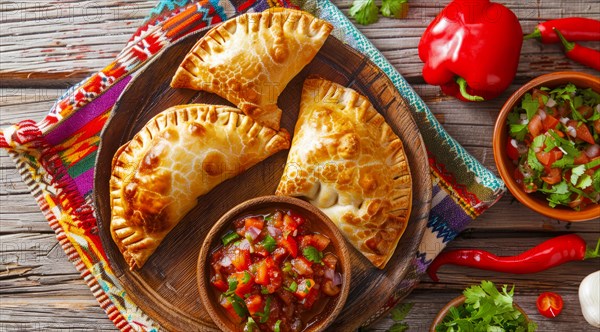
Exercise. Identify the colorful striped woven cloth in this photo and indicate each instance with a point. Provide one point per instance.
(56, 156)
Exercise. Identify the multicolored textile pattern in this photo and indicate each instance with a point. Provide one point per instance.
(56, 156)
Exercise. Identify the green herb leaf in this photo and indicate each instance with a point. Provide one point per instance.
(399, 327)
(277, 327)
(576, 172)
(592, 164)
(229, 237)
(596, 180)
(533, 161)
(364, 11)
(269, 243)
(312, 254)
(518, 131)
(565, 162)
(529, 105)
(264, 316)
(400, 311)
(233, 283)
(566, 145)
(264, 290)
(394, 8)
(584, 181)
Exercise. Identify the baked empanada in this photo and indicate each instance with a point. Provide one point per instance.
(346, 160)
(250, 59)
(179, 155)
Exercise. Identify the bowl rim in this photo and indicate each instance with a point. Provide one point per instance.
(500, 137)
(459, 300)
(338, 241)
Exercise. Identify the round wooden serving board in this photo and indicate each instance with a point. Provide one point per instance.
(165, 288)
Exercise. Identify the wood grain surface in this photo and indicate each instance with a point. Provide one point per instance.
(47, 46)
(166, 288)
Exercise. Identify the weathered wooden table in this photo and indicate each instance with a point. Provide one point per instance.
(47, 46)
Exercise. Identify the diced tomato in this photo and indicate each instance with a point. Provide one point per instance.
(240, 258)
(586, 111)
(311, 298)
(279, 254)
(254, 222)
(243, 287)
(535, 126)
(581, 159)
(299, 219)
(548, 158)
(320, 242)
(289, 225)
(255, 304)
(549, 304)
(302, 266)
(597, 126)
(539, 95)
(219, 284)
(262, 273)
(290, 245)
(549, 122)
(518, 177)
(553, 176)
(582, 131)
(274, 276)
(511, 149)
(304, 287)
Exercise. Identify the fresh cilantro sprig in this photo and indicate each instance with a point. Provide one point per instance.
(486, 309)
(367, 12)
(312, 254)
(269, 243)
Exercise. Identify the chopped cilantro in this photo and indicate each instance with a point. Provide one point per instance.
(530, 105)
(364, 11)
(239, 306)
(596, 180)
(312, 254)
(394, 8)
(251, 326)
(533, 161)
(246, 278)
(269, 243)
(264, 316)
(233, 283)
(277, 327)
(576, 172)
(292, 288)
(486, 309)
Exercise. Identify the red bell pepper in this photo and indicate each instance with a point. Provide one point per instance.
(472, 49)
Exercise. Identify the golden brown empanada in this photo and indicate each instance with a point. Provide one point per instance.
(250, 59)
(180, 154)
(346, 160)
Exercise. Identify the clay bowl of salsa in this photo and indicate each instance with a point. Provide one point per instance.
(562, 148)
(274, 263)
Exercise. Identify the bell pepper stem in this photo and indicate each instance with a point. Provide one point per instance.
(462, 84)
(593, 253)
(536, 34)
(566, 44)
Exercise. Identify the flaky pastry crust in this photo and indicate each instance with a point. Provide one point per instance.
(250, 59)
(179, 155)
(346, 160)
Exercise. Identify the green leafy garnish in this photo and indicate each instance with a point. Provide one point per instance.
(576, 172)
(596, 180)
(364, 11)
(277, 327)
(530, 106)
(233, 283)
(398, 314)
(246, 278)
(229, 237)
(394, 8)
(486, 309)
(312, 254)
(269, 243)
(264, 316)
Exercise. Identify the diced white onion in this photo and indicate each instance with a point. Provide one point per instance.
(542, 114)
(598, 108)
(274, 231)
(244, 244)
(253, 232)
(329, 274)
(572, 131)
(337, 279)
(564, 121)
(551, 102)
(523, 118)
(225, 261)
(563, 150)
(593, 151)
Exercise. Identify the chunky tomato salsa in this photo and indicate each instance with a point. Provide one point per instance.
(273, 274)
(554, 135)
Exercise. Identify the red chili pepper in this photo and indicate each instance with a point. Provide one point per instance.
(472, 49)
(573, 28)
(550, 253)
(584, 55)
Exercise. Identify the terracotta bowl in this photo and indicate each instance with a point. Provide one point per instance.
(538, 202)
(319, 223)
(456, 302)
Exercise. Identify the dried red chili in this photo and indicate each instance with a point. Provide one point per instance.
(550, 253)
(584, 55)
(573, 28)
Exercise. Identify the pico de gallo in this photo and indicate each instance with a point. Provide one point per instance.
(554, 144)
(273, 274)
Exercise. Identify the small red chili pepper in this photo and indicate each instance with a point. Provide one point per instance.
(584, 55)
(550, 253)
(573, 28)
(549, 304)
